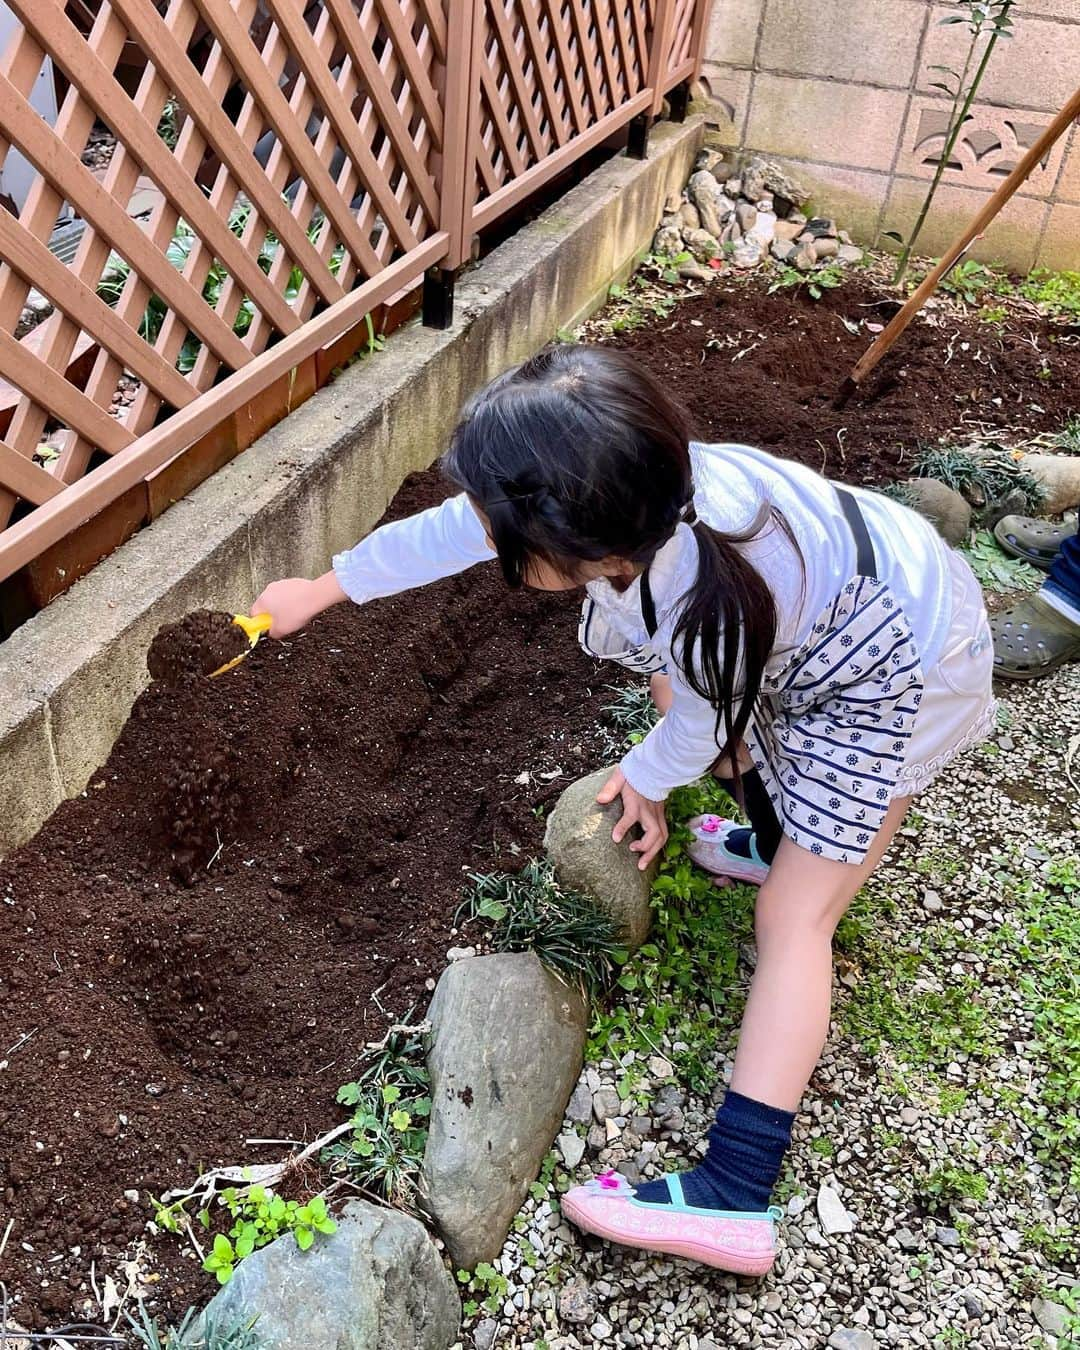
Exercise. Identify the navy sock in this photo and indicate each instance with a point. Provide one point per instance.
(738, 841)
(746, 1149)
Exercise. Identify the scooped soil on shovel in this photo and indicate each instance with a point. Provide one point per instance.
(196, 645)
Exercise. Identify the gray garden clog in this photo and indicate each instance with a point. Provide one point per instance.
(1031, 639)
(1037, 542)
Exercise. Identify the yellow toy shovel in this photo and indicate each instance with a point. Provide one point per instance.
(254, 628)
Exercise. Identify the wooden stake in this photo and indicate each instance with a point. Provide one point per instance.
(1009, 187)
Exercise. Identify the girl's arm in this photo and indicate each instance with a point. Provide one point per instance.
(678, 750)
(397, 557)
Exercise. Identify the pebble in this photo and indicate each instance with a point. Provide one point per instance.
(605, 1104)
(947, 1237)
(832, 1215)
(932, 902)
(909, 1116)
(579, 1109)
(576, 1302)
(460, 953)
(600, 1330)
(572, 1148)
(907, 1240)
(1052, 1317)
(851, 1338)
(484, 1333)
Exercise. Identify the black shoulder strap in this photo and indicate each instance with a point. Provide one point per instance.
(648, 607)
(865, 559)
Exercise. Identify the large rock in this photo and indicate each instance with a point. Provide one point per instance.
(1059, 476)
(378, 1281)
(765, 175)
(713, 204)
(587, 859)
(507, 1044)
(943, 507)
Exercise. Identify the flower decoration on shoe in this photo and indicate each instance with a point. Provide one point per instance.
(709, 848)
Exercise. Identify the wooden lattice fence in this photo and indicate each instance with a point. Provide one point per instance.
(281, 169)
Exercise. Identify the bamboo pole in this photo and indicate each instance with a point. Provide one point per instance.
(1016, 179)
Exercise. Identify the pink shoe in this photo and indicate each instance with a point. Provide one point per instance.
(742, 1243)
(710, 851)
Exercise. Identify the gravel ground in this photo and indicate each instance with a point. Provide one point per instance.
(934, 1120)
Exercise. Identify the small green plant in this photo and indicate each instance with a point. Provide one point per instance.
(979, 471)
(1067, 440)
(179, 250)
(687, 973)
(943, 1187)
(240, 1334)
(1057, 294)
(985, 20)
(817, 282)
(632, 711)
(970, 280)
(532, 911)
(391, 1103)
(259, 1216)
(994, 569)
(168, 127)
(486, 1287)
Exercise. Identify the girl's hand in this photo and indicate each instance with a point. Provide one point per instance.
(637, 810)
(293, 603)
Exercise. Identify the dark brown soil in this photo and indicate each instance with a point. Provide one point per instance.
(196, 645)
(956, 377)
(263, 873)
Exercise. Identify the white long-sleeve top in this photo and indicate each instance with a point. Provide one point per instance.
(731, 484)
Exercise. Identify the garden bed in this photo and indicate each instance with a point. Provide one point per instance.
(766, 369)
(265, 873)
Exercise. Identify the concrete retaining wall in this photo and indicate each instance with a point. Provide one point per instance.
(314, 484)
(844, 93)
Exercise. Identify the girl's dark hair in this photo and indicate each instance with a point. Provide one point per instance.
(580, 454)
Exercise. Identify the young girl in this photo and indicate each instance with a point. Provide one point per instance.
(819, 647)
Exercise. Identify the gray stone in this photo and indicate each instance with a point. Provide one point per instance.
(943, 507)
(787, 232)
(605, 1104)
(972, 1303)
(821, 228)
(783, 250)
(947, 1237)
(695, 272)
(711, 161)
(851, 1338)
(378, 1281)
(597, 1138)
(907, 1240)
(848, 254)
(690, 216)
(932, 902)
(747, 252)
(1052, 1317)
(672, 202)
(825, 248)
(576, 1302)
(630, 1171)
(804, 259)
(832, 1214)
(733, 188)
(765, 175)
(506, 1049)
(909, 1116)
(484, 1333)
(579, 1108)
(713, 204)
(668, 241)
(703, 245)
(572, 1148)
(586, 858)
(764, 228)
(746, 215)
(1013, 503)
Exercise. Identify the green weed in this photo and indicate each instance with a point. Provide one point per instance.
(817, 282)
(486, 1287)
(995, 570)
(687, 974)
(391, 1104)
(632, 711)
(979, 471)
(1057, 294)
(943, 1187)
(1067, 440)
(970, 281)
(215, 1335)
(531, 911)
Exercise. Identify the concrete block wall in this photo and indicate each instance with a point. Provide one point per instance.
(841, 90)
